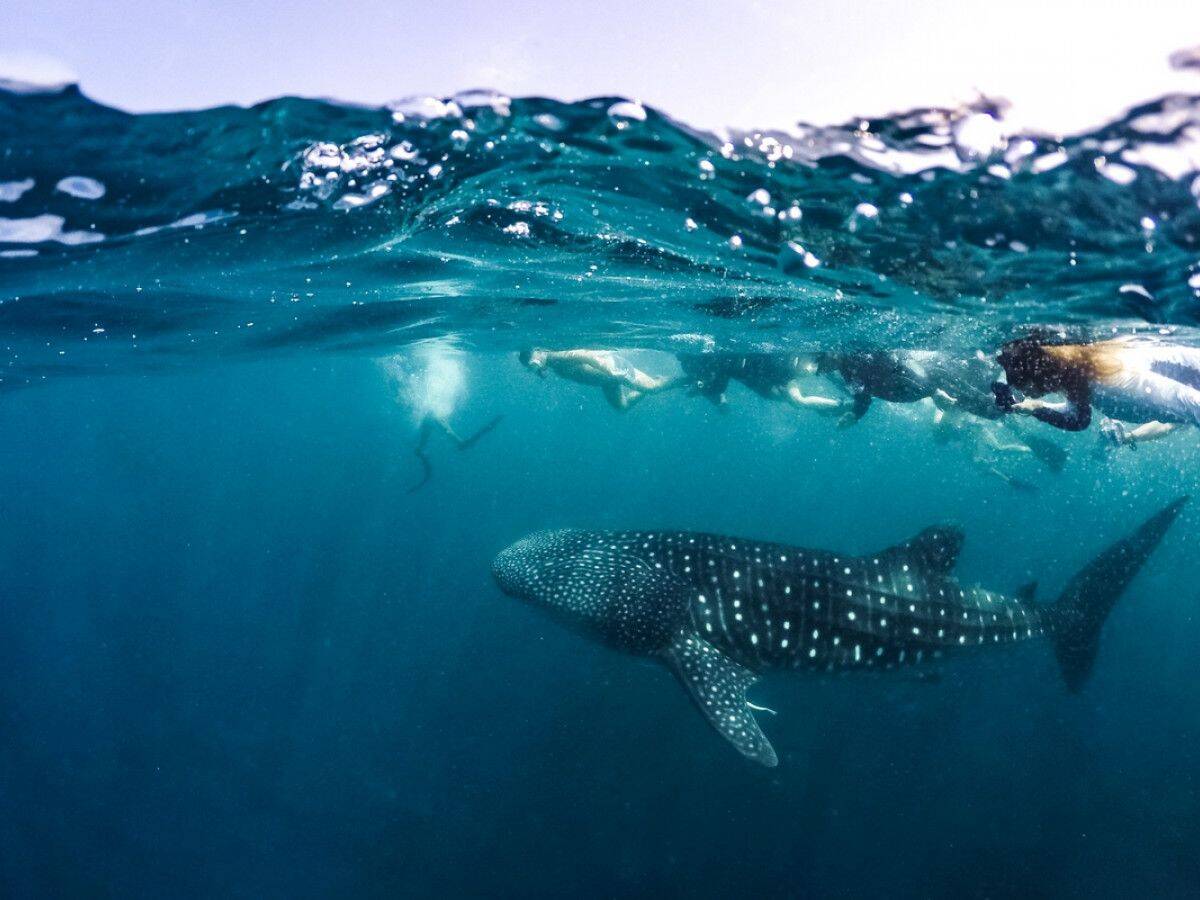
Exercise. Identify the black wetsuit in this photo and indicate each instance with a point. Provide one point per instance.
(767, 374)
(907, 376)
(887, 374)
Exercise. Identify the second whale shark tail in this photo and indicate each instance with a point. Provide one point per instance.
(1077, 617)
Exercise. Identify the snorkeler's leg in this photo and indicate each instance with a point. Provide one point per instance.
(419, 451)
(949, 422)
(446, 428)
(645, 383)
(861, 403)
(991, 437)
(815, 402)
(629, 396)
(1150, 431)
(1044, 450)
(614, 393)
(469, 442)
(1017, 484)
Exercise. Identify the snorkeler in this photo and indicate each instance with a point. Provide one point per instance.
(893, 375)
(1154, 384)
(994, 445)
(773, 376)
(430, 379)
(958, 387)
(965, 405)
(621, 382)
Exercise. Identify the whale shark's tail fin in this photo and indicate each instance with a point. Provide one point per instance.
(1076, 618)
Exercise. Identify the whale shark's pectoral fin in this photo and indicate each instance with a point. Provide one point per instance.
(718, 685)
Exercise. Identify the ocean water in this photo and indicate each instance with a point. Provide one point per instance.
(252, 642)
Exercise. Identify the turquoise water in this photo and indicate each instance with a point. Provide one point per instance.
(245, 657)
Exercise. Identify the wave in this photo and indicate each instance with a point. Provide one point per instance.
(303, 223)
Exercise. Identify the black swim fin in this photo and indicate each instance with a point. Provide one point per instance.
(469, 442)
(426, 471)
(1048, 453)
(1077, 617)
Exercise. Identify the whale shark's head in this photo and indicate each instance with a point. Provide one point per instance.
(522, 569)
(595, 582)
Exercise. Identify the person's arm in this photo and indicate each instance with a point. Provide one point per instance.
(1074, 414)
(1151, 431)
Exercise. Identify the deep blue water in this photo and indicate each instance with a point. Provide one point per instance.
(242, 659)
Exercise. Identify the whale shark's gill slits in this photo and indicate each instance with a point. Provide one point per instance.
(719, 603)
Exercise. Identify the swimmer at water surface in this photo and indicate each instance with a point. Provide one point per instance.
(1153, 384)
(621, 382)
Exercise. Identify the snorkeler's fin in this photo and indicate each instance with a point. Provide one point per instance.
(1048, 453)
(469, 442)
(1077, 617)
(718, 685)
(426, 471)
(1022, 486)
(613, 394)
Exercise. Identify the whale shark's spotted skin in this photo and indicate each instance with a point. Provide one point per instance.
(719, 609)
(769, 606)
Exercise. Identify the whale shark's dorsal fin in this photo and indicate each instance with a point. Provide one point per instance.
(718, 685)
(934, 551)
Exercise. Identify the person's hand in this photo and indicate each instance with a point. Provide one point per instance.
(1005, 399)
(1117, 434)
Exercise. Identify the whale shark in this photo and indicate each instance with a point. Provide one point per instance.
(719, 611)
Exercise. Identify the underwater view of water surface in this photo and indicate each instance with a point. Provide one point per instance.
(486, 496)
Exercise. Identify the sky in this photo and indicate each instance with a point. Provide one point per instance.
(1065, 64)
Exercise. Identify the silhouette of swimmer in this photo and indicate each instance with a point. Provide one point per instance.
(773, 376)
(1152, 384)
(430, 379)
(431, 423)
(621, 382)
(891, 375)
